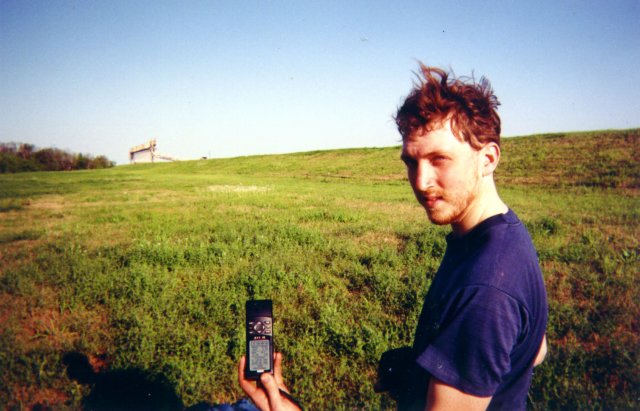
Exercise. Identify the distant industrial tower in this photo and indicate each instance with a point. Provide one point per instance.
(146, 153)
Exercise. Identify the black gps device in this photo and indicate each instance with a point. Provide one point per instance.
(259, 325)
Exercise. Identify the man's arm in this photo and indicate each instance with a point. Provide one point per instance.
(441, 396)
(542, 352)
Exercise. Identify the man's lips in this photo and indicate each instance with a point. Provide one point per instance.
(431, 201)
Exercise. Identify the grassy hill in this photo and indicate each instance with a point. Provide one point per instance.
(147, 267)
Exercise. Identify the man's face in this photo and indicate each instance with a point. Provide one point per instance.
(444, 173)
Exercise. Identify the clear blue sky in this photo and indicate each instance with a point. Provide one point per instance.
(232, 78)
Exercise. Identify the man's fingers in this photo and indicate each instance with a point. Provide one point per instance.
(266, 395)
(277, 369)
(273, 391)
(249, 387)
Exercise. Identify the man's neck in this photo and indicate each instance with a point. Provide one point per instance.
(487, 204)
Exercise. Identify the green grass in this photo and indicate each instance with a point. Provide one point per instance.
(148, 266)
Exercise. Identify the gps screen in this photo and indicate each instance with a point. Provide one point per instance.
(259, 355)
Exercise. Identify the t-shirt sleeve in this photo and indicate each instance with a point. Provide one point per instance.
(475, 336)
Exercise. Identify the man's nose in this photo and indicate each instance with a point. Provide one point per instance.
(424, 176)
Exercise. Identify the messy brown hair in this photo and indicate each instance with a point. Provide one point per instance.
(437, 97)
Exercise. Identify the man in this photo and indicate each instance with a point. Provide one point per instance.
(483, 321)
(482, 326)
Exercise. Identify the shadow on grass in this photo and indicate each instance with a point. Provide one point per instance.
(133, 389)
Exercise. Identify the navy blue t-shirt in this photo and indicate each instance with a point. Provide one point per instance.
(485, 314)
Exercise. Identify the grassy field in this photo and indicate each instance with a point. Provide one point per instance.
(148, 267)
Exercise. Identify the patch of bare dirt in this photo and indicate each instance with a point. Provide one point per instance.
(55, 203)
(237, 189)
(38, 322)
(38, 398)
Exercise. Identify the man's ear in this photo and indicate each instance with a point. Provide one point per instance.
(489, 157)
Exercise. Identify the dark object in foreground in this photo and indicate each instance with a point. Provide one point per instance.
(127, 389)
(399, 375)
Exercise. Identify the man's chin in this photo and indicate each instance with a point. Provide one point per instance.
(438, 218)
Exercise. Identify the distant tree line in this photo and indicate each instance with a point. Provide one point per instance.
(20, 157)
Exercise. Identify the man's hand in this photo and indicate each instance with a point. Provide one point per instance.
(267, 395)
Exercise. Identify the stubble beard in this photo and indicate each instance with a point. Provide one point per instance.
(450, 209)
(452, 205)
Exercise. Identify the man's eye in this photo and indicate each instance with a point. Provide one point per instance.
(409, 162)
